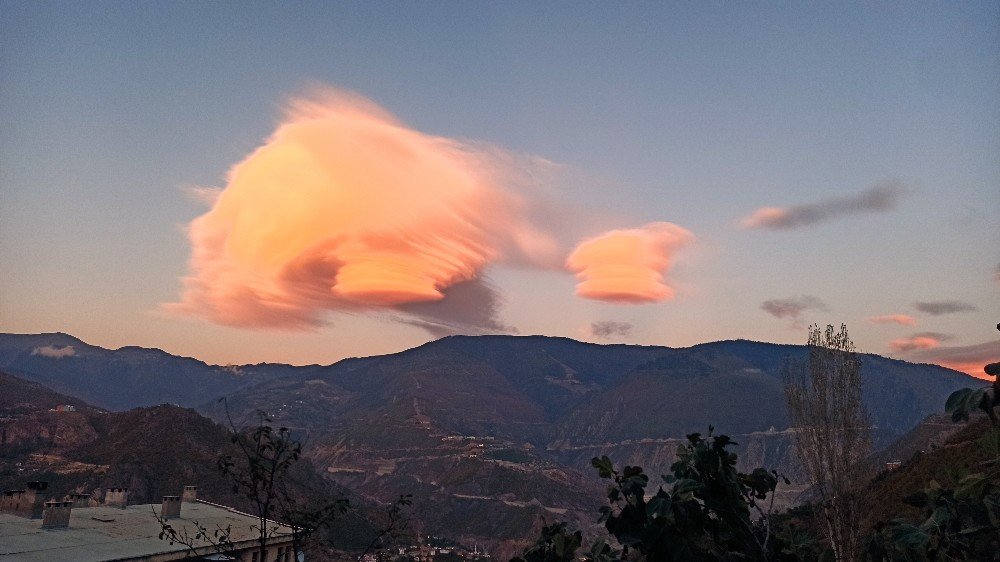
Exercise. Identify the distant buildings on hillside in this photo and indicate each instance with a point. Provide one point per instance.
(430, 549)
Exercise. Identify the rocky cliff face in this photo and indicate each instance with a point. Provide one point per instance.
(767, 448)
(48, 430)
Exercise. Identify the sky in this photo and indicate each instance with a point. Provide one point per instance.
(248, 182)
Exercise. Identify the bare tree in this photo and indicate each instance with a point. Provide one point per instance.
(259, 469)
(833, 431)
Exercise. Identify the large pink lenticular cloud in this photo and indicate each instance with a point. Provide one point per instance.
(628, 266)
(345, 208)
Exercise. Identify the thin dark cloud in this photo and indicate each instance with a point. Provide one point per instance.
(606, 329)
(793, 307)
(878, 199)
(937, 308)
(939, 336)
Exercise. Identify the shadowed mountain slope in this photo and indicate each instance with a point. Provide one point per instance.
(152, 451)
(122, 378)
(526, 414)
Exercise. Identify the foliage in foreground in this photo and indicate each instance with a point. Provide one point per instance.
(961, 522)
(704, 510)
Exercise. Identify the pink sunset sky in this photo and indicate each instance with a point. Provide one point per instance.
(303, 184)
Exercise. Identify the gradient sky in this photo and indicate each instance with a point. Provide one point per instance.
(869, 134)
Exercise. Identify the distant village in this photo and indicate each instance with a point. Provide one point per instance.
(431, 549)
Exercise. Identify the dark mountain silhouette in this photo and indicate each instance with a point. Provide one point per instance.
(123, 378)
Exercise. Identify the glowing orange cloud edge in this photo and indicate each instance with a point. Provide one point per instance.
(628, 266)
(345, 208)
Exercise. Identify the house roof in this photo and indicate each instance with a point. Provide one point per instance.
(110, 533)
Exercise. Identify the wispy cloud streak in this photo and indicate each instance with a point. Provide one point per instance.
(792, 308)
(902, 319)
(902, 345)
(938, 308)
(881, 198)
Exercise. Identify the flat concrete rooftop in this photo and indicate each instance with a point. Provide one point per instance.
(112, 533)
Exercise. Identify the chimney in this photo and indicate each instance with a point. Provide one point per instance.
(33, 500)
(10, 502)
(116, 497)
(171, 507)
(79, 500)
(56, 514)
(190, 494)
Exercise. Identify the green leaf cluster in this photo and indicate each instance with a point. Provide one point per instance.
(703, 510)
(962, 523)
(962, 403)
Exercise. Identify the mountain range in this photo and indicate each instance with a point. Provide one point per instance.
(492, 434)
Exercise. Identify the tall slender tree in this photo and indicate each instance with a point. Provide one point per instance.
(832, 431)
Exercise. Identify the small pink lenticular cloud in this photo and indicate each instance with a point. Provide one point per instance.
(765, 217)
(913, 343)
(903, 319)
(627, 266)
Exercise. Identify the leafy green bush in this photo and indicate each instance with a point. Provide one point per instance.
(961, 524)
(704, 510)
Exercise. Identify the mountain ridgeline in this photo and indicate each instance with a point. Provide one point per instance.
(526, 387)
(492, 434)
(123, 378)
